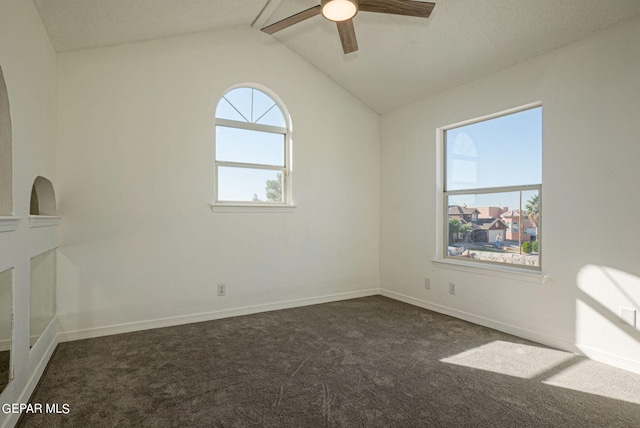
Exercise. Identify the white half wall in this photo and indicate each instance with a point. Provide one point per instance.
(139, 241)
(590, 93)
(29, 66)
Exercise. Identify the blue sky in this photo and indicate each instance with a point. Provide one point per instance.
(248, 146)
(504, 151)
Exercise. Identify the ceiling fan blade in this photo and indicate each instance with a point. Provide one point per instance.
(293, 19)
(397, 7)
(347, 36)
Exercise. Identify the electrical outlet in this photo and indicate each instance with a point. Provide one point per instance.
(222, 289)
(427, 284)
(452, 288)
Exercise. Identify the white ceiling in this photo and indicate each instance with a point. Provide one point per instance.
(401, 59)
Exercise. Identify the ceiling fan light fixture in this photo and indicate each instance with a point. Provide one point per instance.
(339, 10)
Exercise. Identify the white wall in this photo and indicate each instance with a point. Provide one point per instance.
(591, 99)
(139, 241)
(29, 65)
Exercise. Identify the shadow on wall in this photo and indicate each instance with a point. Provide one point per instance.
(614, 295)
(43, 198)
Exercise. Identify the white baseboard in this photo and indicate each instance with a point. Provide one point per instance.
(632, 366)
(209, 316)
(612, 360)
(594, 354)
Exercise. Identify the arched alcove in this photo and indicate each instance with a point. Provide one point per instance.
(43, 198)
(6, 155)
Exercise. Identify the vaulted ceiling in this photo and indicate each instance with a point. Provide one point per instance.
(401, 59)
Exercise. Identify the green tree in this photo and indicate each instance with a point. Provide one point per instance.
(273, 189)
(532, 210)
(455, 227)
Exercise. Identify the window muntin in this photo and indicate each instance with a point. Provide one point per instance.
(252, 149)
(492, 189)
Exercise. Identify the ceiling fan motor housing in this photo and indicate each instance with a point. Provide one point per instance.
(342, 11)
(339, 10)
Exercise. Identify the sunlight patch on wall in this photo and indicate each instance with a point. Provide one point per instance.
(593, 279)
(607, 305)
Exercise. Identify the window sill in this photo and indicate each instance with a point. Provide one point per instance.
(43, 220)
(505, 272)
(251, 208)
(8, 223)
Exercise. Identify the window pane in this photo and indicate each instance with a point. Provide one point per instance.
(226, 111)
(249, 184)
(243, 145)
(499, 152)
(250, 105)
(273, 117)
(500, 227)
(238, 100)
(265, 110)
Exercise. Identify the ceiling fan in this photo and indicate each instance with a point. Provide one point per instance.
(342, 11)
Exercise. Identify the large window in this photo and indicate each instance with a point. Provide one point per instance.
(492, 189)
(252, 149)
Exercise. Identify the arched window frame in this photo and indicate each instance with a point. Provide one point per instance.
(286, 169)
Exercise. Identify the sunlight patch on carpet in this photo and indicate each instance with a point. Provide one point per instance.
(512, 359)
(595, 378)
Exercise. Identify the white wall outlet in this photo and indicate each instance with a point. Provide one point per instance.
(222, 289)
(427, 284)
(628, 316)
(452, 288)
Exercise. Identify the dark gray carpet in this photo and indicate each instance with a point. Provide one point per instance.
(371, 362)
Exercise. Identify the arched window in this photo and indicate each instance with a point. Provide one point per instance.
(252, 149)
(6, 157)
